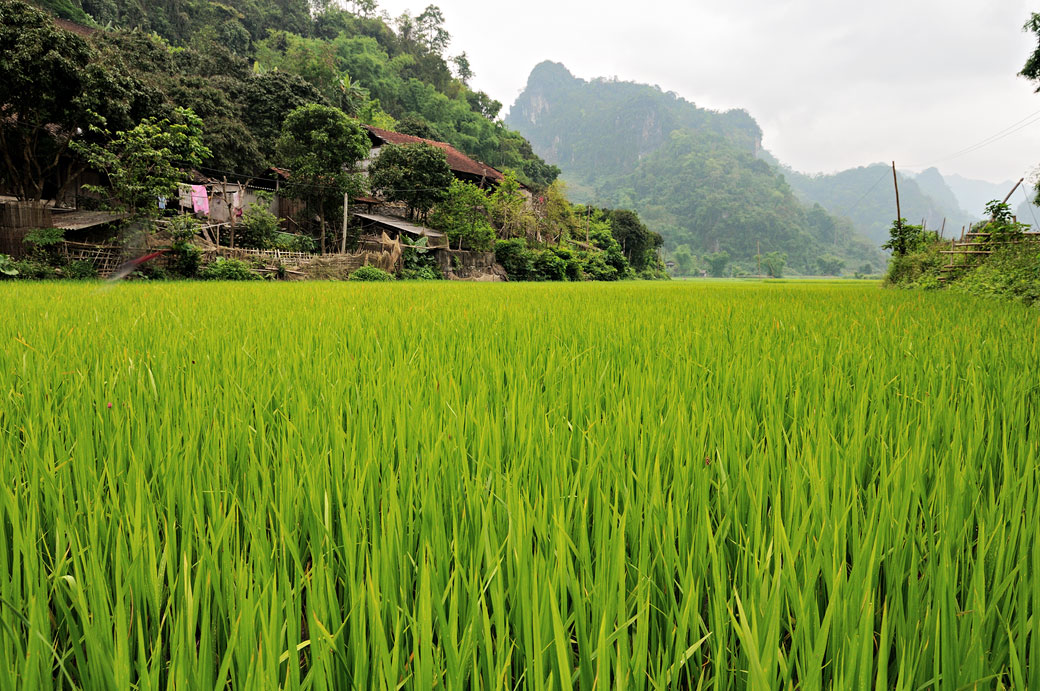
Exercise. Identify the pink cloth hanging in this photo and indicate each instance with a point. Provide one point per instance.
(199, 199)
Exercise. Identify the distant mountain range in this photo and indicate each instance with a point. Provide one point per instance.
(701, 178)
(865, 196)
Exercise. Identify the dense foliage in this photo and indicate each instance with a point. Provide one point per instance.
(416, 174)
(693, 175)
(243, 68)
(322, 147)
(143, 163)
(1010, 267)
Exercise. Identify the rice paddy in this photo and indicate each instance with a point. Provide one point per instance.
(338, 486)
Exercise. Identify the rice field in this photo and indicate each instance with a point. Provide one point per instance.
(633, 486)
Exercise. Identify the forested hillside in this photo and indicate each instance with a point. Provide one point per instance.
(693, 174)
(243, 68)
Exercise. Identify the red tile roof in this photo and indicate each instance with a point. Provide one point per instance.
(457, 161)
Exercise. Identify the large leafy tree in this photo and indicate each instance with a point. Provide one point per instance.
(268, 98)
(638, 242)
(416, 174)
(144, 162)
(52, 91)
(322, 147)
(463, 215)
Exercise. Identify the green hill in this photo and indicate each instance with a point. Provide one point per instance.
(693, 174)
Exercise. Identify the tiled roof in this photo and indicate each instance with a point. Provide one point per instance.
(457, 161)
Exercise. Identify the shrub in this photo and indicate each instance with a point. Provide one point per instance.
(80, 271)
(34, 269)
(595, 268)
(259, 228)
(185, 257)
(1012, 272)
(7, 267)
(43, 238)
(288, 242)
(228, 270)
(905, 238)
(549, 266)
(515, 258)
(424, 273)
(370, 273)
(910, 270)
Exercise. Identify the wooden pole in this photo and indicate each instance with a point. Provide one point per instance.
(943, 227)
(758, 256)
(346, 210)
(895, 181)
(231, 210)
(1013, 190)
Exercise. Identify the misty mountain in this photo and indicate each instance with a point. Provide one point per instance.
(973, 195)
(693, 174)
(933, 184)
(865, 195)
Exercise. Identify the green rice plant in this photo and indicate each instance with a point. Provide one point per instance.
(498, 486)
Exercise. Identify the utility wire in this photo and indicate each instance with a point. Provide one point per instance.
(244, 176)
(993, 138)
(865, 195)
(1029, 203)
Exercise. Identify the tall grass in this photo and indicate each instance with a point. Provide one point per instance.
(517, 486)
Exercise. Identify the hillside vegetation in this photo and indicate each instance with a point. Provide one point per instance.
(242, 68)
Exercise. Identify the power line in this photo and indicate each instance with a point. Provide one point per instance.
(244, 176)
(993, 138)
(1029, 204)
(865, 195)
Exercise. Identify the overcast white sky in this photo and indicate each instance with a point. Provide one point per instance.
(833, 83)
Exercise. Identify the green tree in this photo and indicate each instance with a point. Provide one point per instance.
(557, 214)
(463, 215)
(322, 147)
(507, 206)
(430, 31)
(717, 263)
(829, 265)
(1031, 70)
(774, 263)
(683, 260)
(144, 162)
(463, 69)
(267, 100)
(904, 238)
(53, 91)
(1002, 225)
(416, 174)
(637, 241)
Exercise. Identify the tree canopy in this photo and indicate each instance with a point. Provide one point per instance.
(322, 147)
(416, 174)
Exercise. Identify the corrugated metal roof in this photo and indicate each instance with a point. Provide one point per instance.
(401, 224)
(78, 220)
